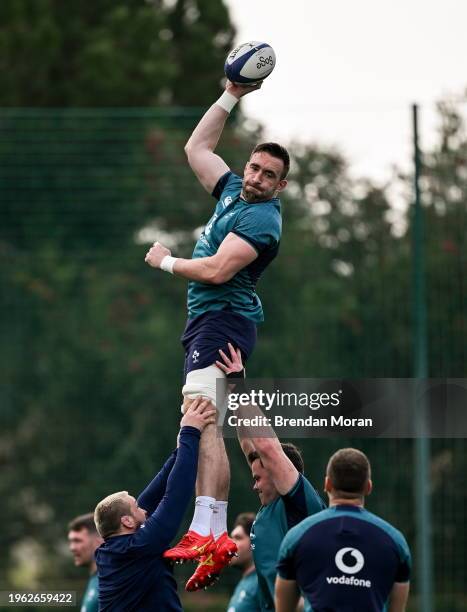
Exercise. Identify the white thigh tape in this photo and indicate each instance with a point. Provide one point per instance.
(202, 382)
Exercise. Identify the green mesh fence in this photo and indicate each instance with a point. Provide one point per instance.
(90, 361)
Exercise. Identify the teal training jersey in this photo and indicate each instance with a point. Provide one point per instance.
(260, 225)
(90, 601)
(272, 522)
(245, 598)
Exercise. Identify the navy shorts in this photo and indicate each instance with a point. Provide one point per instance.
(206, 334)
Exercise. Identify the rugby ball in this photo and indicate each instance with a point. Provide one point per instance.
(250, 62)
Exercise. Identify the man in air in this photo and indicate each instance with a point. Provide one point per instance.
(238, 243)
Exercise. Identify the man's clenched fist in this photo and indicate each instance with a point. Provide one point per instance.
(156, 254)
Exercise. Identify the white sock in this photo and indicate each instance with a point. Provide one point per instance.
(219, 519)
(201, 522)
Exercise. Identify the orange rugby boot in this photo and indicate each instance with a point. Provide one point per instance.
(212, 563)
(190, 548)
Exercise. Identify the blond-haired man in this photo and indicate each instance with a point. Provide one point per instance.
(132, 573)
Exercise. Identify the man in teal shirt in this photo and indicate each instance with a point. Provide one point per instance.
(286, 495)
(83, 540)
(238, 243)
(245, 598)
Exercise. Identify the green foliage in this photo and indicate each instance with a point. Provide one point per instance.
(338, 254)
(445, 201)
(103, 53)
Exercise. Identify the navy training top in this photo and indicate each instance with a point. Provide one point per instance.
(132, 573)
(345, 558)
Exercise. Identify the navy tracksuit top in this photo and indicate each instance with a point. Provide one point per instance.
(133, 576)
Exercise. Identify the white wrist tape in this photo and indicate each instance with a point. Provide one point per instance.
(227, 101)
(167, 264)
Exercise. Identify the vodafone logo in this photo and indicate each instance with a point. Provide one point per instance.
(349, 561)
(355, 567)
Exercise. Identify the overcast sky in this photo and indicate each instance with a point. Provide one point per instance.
(348, 72)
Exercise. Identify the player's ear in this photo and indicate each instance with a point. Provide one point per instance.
(368, 486)
(127, 521)
(282, 185)
(327, 485)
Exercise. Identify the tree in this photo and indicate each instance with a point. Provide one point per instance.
(85, 193)
(444, 184)
(130, 54)
(78, 301)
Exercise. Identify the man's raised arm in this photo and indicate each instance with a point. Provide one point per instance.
(269, 449)
(162, 525)
(206, 164)
(261, 439)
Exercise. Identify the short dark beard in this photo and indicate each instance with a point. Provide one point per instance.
(253, 199)
(248, 198)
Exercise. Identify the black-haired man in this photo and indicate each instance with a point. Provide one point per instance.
(245, 598)
(286, 495)
(237, 244)
(83, 540)
(345, 558)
